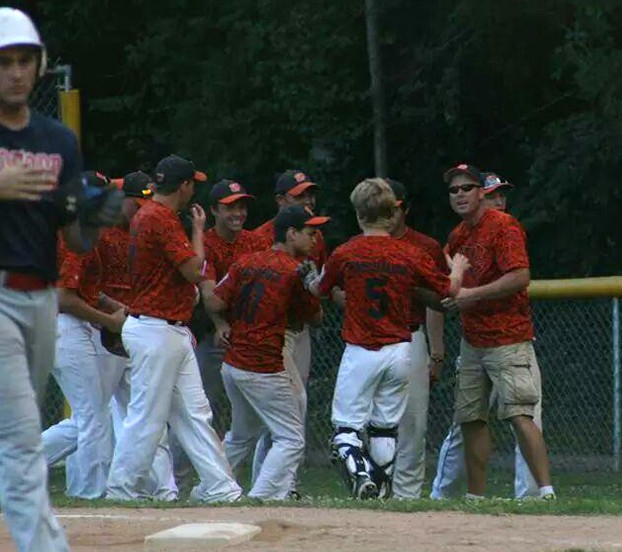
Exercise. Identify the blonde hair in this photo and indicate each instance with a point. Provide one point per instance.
(375, 204)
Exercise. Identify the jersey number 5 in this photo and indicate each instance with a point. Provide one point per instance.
(248, 301)
(374, 289)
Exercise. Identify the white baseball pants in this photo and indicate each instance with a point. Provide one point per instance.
(27, 340)
(372, 386)
(166, 387)
(451, 471)
(297, 362)
(160, 483)
(87, 379)
(261, 401)
(409, 471)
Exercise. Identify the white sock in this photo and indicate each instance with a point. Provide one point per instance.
(547, 489)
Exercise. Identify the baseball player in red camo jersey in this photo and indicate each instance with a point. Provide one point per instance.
(165, 381)
(409, 470)
(258, 293)
(226, 242)
(293, 187)
(86, 437)
(378, 274)
(496, 347)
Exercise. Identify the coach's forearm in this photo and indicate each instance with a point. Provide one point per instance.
(434, 325)
(108, 304)
(509, 284)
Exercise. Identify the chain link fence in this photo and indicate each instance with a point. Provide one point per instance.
(576, 358)
(44, 100)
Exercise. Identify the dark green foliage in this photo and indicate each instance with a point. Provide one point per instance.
(527, 88)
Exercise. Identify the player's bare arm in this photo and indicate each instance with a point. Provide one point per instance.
(434, 324)
(109, 305)
(510, 283)
(222, 329)
(25, 184)
(71, 303)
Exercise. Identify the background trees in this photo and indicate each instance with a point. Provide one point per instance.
(247, 88)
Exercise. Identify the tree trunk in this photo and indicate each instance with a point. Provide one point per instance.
(377, 89)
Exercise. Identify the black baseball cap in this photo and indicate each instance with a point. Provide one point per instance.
(95, 179)
(293, 182)
(173, 170)
(493, 181)
(135, 184)
(468, 170)
(297, 216)
(400, 192)
(227, 191)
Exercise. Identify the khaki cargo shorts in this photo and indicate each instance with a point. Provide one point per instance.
(507, 369)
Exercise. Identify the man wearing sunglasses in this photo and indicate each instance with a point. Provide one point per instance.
(496, 349)
(450, 468)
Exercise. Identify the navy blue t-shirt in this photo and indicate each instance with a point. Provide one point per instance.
(29, 229)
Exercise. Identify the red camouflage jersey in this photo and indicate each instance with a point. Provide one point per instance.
(113, 248)
(494, 246)
(260, 290)
(81, 273)
(221, 254)
(265, 234)
(378, 275)
(434, 249)
(158, 247)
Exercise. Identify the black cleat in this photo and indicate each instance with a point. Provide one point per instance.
(365, 488)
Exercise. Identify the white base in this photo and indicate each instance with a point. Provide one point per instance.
(197, 537)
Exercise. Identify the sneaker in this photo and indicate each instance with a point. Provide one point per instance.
(549, 496)
(365, 488)
(294, 495)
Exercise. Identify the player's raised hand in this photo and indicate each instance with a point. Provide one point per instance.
(27, 184)
(460, 262)
(198, 217)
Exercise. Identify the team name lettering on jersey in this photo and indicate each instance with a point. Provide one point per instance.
(48, 161)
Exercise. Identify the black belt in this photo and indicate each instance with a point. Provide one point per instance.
(170, 322)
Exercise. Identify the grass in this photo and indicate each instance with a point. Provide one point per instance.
(578, 494)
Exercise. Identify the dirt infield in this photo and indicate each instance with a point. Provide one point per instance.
(313, 530)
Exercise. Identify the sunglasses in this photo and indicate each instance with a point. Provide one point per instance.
(453, 190)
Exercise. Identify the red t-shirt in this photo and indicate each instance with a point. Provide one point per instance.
(158, 247)
(494, 246)
(221, 254)
(265, 234)
(432, 248)
(379, 274)
(81, 273)
(260, 290)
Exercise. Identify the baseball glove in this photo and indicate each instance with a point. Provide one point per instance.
(112, 342)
